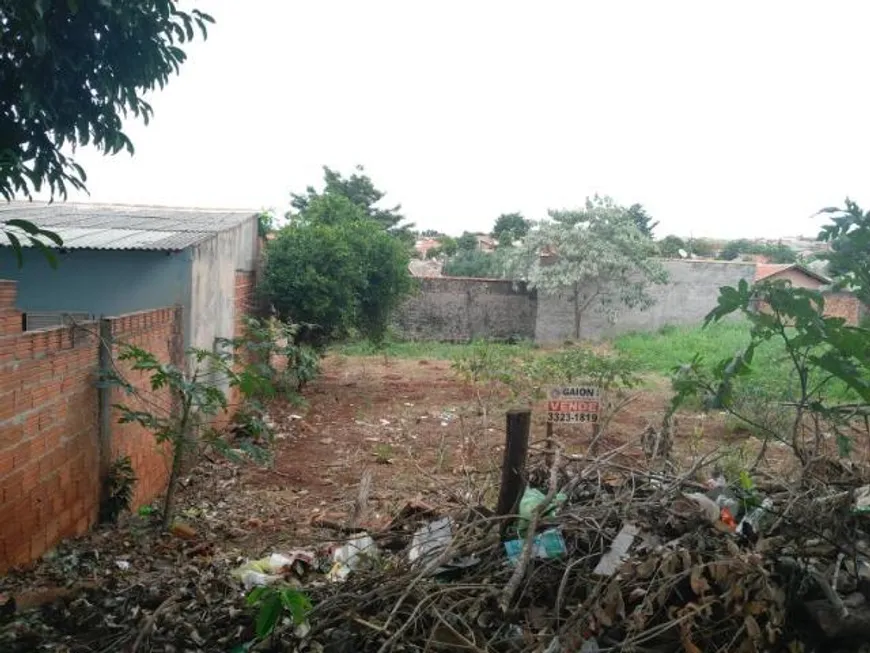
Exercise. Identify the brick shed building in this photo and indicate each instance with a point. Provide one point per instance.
(160, 279)
(837, 304)
(120, 259)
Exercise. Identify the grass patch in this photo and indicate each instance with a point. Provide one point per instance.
(660, 351)
(417, 350)
(772, 373)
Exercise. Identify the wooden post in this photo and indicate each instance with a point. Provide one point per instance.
(551, 445)
(516, 450)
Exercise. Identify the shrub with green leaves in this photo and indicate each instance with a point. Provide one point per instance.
(275, 603)
(829, 361)
(336, 271)
(196, 394)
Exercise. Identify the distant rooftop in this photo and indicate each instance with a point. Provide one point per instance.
(766, 270)
(126, 227)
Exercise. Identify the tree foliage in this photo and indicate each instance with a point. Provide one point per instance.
(670, 246)
(733, 249)
(361, 192)
(70, 71)
(773, 252)
(336, 270)
(849, 258)
(642, 220)
(510, 227)
(597, 255)
(475, 263)
(823, 350)
(701, 247)
(467, 242)
(446, 247)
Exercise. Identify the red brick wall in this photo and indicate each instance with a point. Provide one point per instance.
(157, 332)
(844, 305)
(49, 427)
(839, 304)
(244, 303)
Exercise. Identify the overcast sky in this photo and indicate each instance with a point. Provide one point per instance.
(723, 119)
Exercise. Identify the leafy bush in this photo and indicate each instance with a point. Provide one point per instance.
(828, 359)
(273, 347)
(337, 272)
(118, 490)
(273, 603)
(197, 396)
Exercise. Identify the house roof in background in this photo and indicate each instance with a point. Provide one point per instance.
(767, 270)
(123, 227)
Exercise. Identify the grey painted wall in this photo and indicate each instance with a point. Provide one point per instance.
(110, 282)
(691, 292)
(213, 283)
(461, 309)
(102, 282)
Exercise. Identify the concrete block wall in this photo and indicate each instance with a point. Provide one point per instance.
(690, 293)
(49, 426)
(460, 309)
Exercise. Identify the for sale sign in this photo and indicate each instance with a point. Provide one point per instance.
(576, 404)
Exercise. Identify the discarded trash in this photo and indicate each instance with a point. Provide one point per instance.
(431, 539)
(751, 522)
(251, 579)
(708, 507)
(611, 560)
(590, 646)
(532, 498)
(182, 530)
(266, 571)
(549, 544)
(385, 422)
(123, 565)
(352, 555)
(862, 500)
(295, 416)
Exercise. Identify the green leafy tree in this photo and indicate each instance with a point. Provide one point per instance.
(70, 71)
(446, 247)
(336, 270)
(776, 253)
(360, 191)
(265, 223)
(510, 227)
(701, 247)
(430, 233)
(474, 263)
(467, 242)
(642, 220)
(733, 249)
(670, 246)
(596, 255)
(849, 257)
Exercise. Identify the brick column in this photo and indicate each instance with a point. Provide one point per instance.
(10, 316)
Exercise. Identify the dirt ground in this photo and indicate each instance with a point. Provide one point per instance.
(419, 432)
(410, 426)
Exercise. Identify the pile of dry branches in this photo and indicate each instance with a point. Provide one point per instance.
(687, 584)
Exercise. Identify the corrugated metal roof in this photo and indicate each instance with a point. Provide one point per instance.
(113, 226)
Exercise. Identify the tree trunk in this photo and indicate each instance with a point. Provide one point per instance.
(178, 450)
(577, 311)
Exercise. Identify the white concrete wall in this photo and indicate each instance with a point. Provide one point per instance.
(212, 305)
